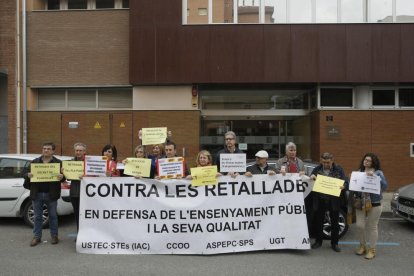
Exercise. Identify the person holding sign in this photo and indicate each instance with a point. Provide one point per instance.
(230, 147)
(290, 163)
(46, 192)
(80, 151)
(324, 202)
(369, 210)
(111, 153)
(178, 168)
(261, 166)
(204, 159)
(139, 153)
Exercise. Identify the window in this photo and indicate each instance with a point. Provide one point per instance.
(405, 11)
(383, 97)
(248, 11)
(12, 168)
(352, 11)
(125, 4)
(223, 11)
(406, 97)
(380, 11)
(326, 11)
(202, 11)
(77, 4)
(300, 11)
(53, 4)
(85, 98)
(336, 97)
(105, 4)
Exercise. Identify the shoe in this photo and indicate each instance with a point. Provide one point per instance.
(360, 250)
(336, 248)
(35, 241)
(55, 240)
(316, 244)
(370, 254)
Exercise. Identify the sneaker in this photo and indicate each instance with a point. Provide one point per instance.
(370, 254)
(55, 240)
(360, 250)
(35, 241)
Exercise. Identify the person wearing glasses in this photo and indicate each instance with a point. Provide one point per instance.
(369, 210)
(230, 147)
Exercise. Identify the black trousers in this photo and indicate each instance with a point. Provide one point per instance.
(75, 204)
(323, 206)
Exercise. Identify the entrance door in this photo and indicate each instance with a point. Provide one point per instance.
(257, 134)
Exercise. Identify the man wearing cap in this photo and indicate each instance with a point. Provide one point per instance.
(261, 166)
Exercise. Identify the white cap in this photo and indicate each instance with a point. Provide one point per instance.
(262, 154)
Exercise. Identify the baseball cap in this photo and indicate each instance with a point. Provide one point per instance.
(262, 154)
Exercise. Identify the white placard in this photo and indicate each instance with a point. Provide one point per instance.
(233, 162)
(124, 215)
(170, 167)
(96, 165)
(361, 182)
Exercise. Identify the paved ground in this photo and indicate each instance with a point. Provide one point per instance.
(386, 202)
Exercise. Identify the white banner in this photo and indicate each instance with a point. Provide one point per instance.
(124, 215)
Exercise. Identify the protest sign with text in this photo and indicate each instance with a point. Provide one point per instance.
(204, 176)
(125, 215)
(96, 165)
(138, 167)
(44, 172)
(153, 136)
(328, 185)
(233, 162)
(361, 182)
(73, 170)
(170, 167)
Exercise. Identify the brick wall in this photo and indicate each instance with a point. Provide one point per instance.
(386, 133)
(8, 64)
(70, 48)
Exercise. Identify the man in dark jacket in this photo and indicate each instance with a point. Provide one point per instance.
(45, 193)
(230, 141)
(324, 202)
(261, 166)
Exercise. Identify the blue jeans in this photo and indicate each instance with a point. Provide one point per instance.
(43, 199)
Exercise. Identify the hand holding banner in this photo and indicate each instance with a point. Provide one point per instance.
(44, 172)
(328, 185)
(73, 170)
(138, 167)
(204, 176)
(155, 135)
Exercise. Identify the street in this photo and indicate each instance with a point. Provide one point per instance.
(394, 256)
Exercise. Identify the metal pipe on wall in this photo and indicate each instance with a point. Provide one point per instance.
(24, 77)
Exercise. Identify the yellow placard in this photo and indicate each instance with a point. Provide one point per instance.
(138, 167)
(44, 172)
(73, 170)
(204, 176)
(155, 135)
(328, 185)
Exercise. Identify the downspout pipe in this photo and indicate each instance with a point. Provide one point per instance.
(24, 77)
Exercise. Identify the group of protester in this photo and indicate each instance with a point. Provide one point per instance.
(367, 205)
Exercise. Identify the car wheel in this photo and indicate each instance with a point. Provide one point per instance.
(28, 215)
(343, 226)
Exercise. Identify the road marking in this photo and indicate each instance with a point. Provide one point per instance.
(378, 243)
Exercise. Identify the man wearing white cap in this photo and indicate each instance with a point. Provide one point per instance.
(261, 166)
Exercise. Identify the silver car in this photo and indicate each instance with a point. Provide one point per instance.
(14, 199)
(402, 202)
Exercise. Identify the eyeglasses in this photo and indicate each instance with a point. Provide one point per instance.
(368, 160)
(227, 139)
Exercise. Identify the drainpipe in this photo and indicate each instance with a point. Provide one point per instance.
(18, 136)
(24, 98)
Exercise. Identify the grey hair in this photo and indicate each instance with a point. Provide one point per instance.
(290, 145)
(327, 156)
(79, 144)
(230, 133)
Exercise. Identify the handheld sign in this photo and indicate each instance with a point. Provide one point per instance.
(204, 176)
(73, 170)
(155, 135)
(96, 165)
(44, 172)
(328, 185)
(138, 167)
(361, 182)
(233, 162)
(170, 167)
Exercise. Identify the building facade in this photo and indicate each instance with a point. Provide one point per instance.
(333, 78)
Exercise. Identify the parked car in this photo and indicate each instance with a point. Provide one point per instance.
(402, 202)
(14, 199)
(343, 226)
